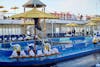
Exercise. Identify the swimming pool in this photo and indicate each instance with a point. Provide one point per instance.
(65, 53)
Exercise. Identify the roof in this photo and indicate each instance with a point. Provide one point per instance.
(34, 3)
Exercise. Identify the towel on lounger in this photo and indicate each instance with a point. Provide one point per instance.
(31, 53)
(23, 54)
(14, 54)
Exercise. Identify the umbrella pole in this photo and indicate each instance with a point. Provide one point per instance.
(24, 9)
(44, 29)
(2, 34)
(52, 29)
(71, 31)
(35, 40)
(35, 20)
(24, 27)
(44, 24)
(15, 29)
(93, 30)
(11, 30)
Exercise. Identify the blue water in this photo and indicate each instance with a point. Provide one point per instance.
(85, 61)
(64, 51)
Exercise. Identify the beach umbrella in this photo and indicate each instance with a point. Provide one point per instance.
(34, 13)
(14, 8)
(4, 11)
(91, 24)
(1, 6)
(96, 19)
(72, 25)
(34, 3)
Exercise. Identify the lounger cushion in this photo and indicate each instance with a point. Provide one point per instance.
(27, 37)
(20, 38)
(14, 38)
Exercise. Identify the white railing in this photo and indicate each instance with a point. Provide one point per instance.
(10, 21)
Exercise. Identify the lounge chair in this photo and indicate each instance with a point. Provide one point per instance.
(20, 38)
(27, 38)
(14, 38)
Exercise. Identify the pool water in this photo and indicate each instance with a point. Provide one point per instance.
(5, 54)
(85, 61)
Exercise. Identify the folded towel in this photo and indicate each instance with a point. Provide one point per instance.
(14, 54)
(55, 50)
(40, 53)
(31, 53)
(52, 51)
(23, 54)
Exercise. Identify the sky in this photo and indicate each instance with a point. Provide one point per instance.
(87, 7)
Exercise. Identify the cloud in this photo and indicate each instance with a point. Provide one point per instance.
(74, 6)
